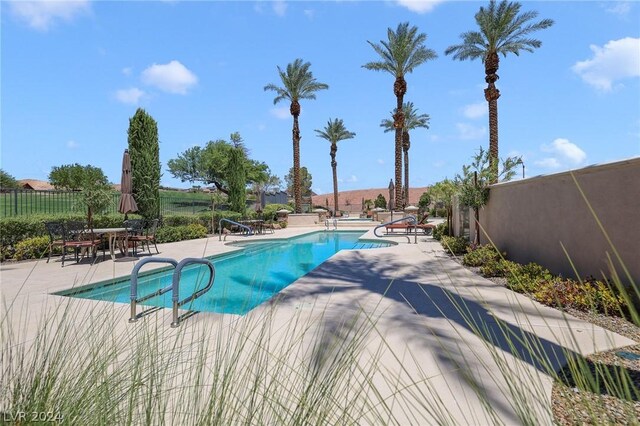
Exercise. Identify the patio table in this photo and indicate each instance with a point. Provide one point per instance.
(113, 234)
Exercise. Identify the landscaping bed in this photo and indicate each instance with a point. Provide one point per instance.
(591, 393)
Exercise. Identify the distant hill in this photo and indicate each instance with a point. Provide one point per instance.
(352, 200)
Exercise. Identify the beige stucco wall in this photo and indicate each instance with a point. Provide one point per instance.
(534, 218)
(304, 219)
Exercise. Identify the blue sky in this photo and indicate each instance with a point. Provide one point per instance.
(73, 73)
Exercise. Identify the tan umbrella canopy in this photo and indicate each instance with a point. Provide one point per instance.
(127, 203)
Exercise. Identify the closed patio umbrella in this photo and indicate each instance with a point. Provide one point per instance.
(127, 202)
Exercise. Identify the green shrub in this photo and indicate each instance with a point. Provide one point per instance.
(269, 211)
(441, 212)
(481, 255)
(498, 268)
(440, 230)
(170, 234)
(527, 278)
(454, 245)
(32, 248)
(593, 295)
(194, 231)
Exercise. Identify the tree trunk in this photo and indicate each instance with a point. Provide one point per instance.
(405, 147)
(297, 193)
(476, 238)
(399, 89)
(334, 167)
(491, 94)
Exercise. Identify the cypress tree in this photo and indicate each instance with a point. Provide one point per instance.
(144, 150)
(237, 181)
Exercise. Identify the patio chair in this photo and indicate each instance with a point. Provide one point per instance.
(135, 232)
(56, 235)
(146, 236)
(80, 239)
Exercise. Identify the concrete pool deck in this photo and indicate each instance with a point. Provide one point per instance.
(423, 309)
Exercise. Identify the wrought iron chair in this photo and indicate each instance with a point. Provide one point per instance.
(55, 230)
(79, 238)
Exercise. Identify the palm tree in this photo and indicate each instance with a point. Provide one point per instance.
(401, 54)
(297, 83)
(411, 121)
(503, 29)
(335, 132)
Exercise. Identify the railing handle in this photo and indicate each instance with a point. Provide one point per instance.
(410, 218)
(175, 284)
(249, 230)
(134, 283)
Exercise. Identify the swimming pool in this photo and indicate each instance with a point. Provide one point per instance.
(244, 279)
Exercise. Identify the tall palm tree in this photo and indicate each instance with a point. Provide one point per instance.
(297, 83)
(503, 29)
(401, 54)
(412, 121)
(335, 132)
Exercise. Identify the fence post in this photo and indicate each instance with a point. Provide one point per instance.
(15, 202)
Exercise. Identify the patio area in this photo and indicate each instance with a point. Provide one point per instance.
(436, 343)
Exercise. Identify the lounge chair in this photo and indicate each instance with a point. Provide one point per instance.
(408, 227)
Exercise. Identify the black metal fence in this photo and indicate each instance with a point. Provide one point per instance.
(19, 202)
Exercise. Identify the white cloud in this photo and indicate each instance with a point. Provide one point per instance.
(468, 131)
(280, 112)
(352, 178)
(172, 77)
(476, 110)
(617, 60)
(548, 163)
(127, 71)
(279, 7)
(621, 8)
(129, 96)
(380, 161)
(419, 6)
(42, 15)
(567, 150)
(72, 144)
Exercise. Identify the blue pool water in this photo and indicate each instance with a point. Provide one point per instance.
(243, 279)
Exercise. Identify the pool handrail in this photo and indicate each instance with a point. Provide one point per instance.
(335, 223)
(134, 287)
(248, 228)
(175, 284)
(410, 218)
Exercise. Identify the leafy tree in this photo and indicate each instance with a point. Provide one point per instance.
(502, 29)
(305, 181)
(210, 164)
(401, 54)
(380, 202)
(144, 150)
(412, 121)
(95, 191)
(368, 203)
(475, 180)
(73, 177)
(237, 181)
(334, 132)
(297, 83)
(7, 181)
(443, 193)
(425, 200)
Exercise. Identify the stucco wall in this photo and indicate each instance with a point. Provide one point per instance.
(534, 218)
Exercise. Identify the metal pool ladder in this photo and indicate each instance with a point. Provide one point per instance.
(174, 288)
(410, 219)
(333, 221)
(241, 226)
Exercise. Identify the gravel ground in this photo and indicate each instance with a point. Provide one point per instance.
(571, 403)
